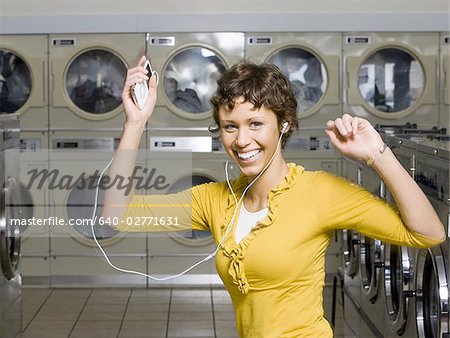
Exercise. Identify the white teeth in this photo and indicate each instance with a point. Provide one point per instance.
(246, 156)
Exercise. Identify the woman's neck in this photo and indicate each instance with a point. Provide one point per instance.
(257, 195)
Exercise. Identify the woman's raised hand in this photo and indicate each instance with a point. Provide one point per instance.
(134, 75)
(354, 137)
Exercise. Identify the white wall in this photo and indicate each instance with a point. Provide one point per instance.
(52, 16)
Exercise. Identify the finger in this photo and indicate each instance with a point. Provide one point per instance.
(335, 139)
(132, 79)
(153, 83)
(355, 124)
(330, 124)
(347, 122)
(142, 61)
(341, 128)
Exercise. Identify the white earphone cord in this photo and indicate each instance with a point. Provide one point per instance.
(219, 245)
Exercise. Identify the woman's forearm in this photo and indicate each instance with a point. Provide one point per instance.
(116, 200)
(415, 209)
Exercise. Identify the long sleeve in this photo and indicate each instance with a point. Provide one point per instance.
(349, 206)
(172, 212)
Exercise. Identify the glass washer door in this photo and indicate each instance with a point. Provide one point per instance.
(398, 274)
(10, 235)
(94, 82)
(15, 82)
(351, 252)
(431, 294)
(307, 75)
(391, 80)
(190, 79)
(371, 261)
(194, 237)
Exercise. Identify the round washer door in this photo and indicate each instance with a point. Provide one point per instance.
(10, 235)
(351, 252)
(371, 263)
(15, 82)
(307, 75)
(431, 294)
(94, 82)
(192, 237)
(398, 288)
(390, 82)
(190, 79)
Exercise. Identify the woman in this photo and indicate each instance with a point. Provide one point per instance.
(274, 233)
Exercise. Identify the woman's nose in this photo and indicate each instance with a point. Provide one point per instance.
(242, 138)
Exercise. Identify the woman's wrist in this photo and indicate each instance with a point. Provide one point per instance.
(131, 135)
(135, 125)
(376, 154)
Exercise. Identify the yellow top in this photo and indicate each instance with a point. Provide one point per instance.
(275, 275)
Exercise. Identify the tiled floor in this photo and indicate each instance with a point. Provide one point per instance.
(177, 312)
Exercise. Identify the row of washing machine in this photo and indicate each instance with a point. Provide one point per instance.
(60, 82)
(390, 290)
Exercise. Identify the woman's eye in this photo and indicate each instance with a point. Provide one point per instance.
(229, 127)
(256, 124)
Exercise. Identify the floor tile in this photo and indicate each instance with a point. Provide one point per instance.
(226, 328)
(191, 293)
(97, 329)
(191, 300)
(142, 316)
(48, 329)
(224, 315)
(191, 316)
(147, 328)
(191, 328)
(190, 307)
(147, 307)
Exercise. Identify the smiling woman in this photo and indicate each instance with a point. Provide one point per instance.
(262, 86)
(273, 224)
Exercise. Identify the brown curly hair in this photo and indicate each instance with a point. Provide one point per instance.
(261, 85)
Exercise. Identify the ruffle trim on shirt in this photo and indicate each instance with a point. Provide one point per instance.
(236, 252)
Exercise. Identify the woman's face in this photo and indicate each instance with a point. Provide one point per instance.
(249, 136)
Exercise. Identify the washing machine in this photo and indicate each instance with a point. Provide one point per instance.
(399, 263)
(444, 81)
(431, 274)
(391, 77)
(10, 279)
(76, 162)
(35, 264)
(189, 65)
(402, 291)
(24, 79)
(87, 76)
(311, 61)
(188, 161)
(351, 255)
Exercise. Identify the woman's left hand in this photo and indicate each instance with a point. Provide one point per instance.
(354, 137)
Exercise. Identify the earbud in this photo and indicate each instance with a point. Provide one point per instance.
(285, 126)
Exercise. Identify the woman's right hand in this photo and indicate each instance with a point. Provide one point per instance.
(134, 75)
